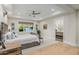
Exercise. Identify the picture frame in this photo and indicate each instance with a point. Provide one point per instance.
(45, 26)
(12, 26)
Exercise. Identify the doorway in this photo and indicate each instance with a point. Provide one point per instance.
(59, 29)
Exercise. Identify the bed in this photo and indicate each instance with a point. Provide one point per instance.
(26, 40)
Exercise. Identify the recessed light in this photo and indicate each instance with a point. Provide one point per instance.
(56, 13)
(37, 19)
(52, 9)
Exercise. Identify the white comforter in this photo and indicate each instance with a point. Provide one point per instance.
(24, 39)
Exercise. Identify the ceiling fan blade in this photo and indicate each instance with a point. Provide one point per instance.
(35, 13)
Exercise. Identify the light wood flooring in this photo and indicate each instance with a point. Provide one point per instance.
(56, 49)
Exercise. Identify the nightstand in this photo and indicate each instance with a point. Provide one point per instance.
(13, 48)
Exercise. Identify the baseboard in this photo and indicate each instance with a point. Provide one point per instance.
(72, 44)
(77, 45)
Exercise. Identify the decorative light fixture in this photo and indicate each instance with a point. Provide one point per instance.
(4, 12)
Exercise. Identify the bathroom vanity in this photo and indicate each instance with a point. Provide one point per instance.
(59, 36)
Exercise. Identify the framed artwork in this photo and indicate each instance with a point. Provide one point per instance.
(45, 26)
(12, 26)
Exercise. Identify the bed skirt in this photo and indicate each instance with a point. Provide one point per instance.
(29, 45)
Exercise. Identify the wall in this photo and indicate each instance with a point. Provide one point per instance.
(49, 33)
(69, 28)
(2, 18)
(16, 21)
(59, 24)
(1, 14)
(77, 13)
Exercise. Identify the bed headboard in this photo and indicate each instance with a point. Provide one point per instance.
(22, 33)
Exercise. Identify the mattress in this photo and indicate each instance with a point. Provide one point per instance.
(24, 39)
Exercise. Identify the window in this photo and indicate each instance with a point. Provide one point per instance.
(25, 27)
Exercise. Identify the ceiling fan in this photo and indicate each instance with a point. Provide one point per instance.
(34, 13)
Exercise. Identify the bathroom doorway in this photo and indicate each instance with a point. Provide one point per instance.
(59, 29)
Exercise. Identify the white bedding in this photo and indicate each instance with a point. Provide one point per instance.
(24, 39)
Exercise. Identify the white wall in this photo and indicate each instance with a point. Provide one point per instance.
(16, 21)
(48, 34)
(1, 14)
(69, 28)
(59, 21)
(2, 18)
(77, 28)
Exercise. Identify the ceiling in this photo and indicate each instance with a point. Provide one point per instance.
(75, 6)
(46, 10)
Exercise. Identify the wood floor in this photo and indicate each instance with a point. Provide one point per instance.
(56, 49)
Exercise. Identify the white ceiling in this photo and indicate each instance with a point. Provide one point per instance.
(46, 10)
(75, 6)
